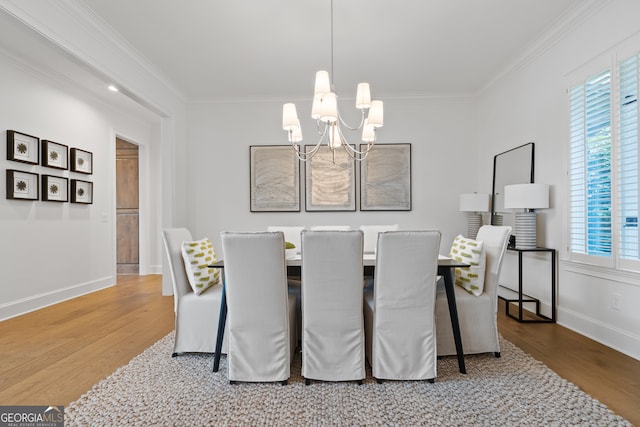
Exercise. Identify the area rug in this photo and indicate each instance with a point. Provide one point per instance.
(155, 389)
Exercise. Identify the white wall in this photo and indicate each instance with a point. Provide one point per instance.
(203, 168)
(53, 251)
(530, 104)
(443, 165)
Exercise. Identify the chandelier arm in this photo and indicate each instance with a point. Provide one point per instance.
(306, 156)
(324, 131)
(347, 125)
(355, 154)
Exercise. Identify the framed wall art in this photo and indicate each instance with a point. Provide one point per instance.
(54, 155)
(81, 191)
(22, 147)
(81, 161)
(330, 180)
(55, 189)
(385, 178)
(22, 185)
(275, 179)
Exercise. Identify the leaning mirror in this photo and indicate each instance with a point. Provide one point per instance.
(513, 166)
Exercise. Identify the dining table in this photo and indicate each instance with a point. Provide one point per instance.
(446, 268)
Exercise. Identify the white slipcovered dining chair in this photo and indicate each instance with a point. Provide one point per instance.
(196, 315)
(332, 319)
(477, 314)
(400, 311)
(260, 312)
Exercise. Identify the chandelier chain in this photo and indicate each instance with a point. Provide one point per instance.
(328, 119)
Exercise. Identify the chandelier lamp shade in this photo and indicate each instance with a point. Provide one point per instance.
(330, 124)
(527, 197)
(473, 204)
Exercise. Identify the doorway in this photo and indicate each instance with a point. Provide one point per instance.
(127, 208)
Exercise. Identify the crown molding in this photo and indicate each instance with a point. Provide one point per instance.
(559, 30)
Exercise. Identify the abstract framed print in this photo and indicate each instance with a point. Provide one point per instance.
(275, 179)
(330, 180)
(385, 178)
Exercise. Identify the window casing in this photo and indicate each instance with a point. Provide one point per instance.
(603, 180)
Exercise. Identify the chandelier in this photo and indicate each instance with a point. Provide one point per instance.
(329, 122)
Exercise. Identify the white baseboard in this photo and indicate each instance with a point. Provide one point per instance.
(623, 341)
(155, 269)
(620, 340)
(36, 302)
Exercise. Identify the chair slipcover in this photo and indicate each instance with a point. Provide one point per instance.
(196, 315)
(400, 312)
(260, 313)
(477, 314)
(371, 235)
(292, 234)
(332, 322)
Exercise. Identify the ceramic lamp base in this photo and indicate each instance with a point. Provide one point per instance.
(474, 222)
(526, 230)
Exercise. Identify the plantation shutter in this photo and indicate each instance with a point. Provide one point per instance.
(628, 158)
(590, 167)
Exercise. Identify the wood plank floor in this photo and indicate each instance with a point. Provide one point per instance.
(54, 355)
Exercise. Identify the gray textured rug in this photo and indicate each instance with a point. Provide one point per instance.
(156, 389)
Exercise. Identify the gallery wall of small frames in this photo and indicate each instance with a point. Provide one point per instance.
(49, 186)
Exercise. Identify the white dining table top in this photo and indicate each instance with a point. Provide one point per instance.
(368, 259)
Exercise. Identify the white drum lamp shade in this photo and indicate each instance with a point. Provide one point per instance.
(473, 204)
(526, 197)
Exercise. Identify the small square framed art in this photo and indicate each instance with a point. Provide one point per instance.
(81, 191)
(22, 185)
(55, 189)
(81, 161)
(55, 155)
(22, 147)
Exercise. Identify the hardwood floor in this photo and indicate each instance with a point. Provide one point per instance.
(605, 374)
(54, 355)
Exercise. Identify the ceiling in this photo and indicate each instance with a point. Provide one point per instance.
(257, 49)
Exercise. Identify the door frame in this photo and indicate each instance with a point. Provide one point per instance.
(143, 204)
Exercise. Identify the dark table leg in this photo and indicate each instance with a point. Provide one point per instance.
(221, 324)
(453, 312)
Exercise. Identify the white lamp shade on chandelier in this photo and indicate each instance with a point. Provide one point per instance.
(473, 204)
(324, 110)
(526, 197)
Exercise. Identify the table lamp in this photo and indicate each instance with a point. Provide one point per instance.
(473, 205)
(527, 197)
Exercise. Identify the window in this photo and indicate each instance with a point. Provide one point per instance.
(603, 167)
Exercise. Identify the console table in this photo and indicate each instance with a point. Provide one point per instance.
(524, 298)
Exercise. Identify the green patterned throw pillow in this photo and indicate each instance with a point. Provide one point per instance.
(471, 252)
(197, 256)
